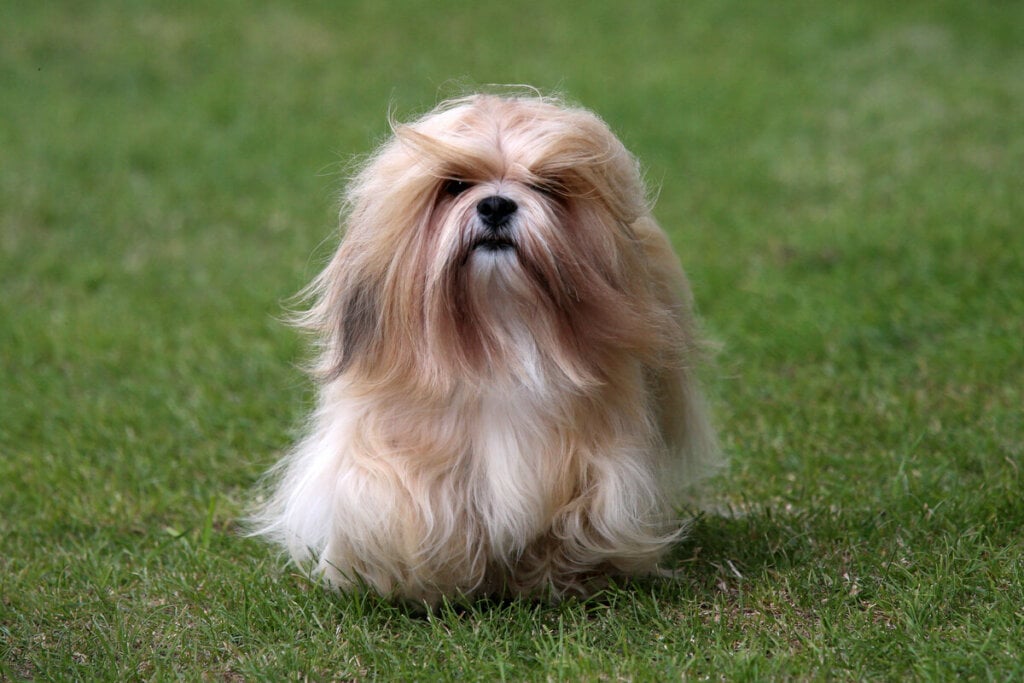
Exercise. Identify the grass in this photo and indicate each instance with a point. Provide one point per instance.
(843, 183)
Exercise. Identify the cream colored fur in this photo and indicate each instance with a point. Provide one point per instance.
(514, 419)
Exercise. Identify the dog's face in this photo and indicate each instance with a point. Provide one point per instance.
(482, 225)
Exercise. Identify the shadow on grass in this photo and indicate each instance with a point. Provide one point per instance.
(721, 549)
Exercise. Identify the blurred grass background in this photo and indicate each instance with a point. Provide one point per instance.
(843, 182)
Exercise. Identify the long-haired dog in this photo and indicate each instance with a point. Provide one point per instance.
(507, 395)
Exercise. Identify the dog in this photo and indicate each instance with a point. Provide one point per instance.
(506, 364)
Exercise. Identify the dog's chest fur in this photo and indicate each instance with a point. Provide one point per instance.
(515, 450)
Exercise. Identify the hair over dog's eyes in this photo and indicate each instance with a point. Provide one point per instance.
(455, 187)
(548, 189)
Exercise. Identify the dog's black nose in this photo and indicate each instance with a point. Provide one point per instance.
(495, 210)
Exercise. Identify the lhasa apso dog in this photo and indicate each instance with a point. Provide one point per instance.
(507, 400)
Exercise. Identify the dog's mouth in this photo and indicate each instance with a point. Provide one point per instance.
(494, 244)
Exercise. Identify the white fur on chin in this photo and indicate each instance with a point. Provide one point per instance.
(495, 419)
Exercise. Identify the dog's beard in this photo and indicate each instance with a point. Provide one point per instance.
(536, 295)
(494, 297)
(499, 269)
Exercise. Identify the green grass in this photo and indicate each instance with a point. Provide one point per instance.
(843, 183)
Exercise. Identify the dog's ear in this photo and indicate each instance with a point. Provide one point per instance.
(356, 327)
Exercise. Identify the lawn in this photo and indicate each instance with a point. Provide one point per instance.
(844, 182)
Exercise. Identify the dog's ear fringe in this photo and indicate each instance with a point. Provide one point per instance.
(314, 310)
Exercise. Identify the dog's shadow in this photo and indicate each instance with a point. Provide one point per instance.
(722, 553)
(725, 549)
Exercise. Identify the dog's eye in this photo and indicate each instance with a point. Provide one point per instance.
(456, 187)
(545, 188)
